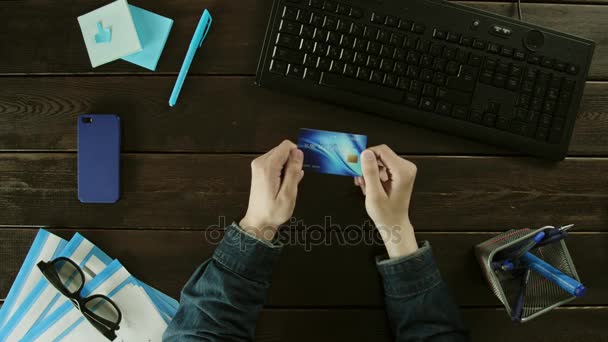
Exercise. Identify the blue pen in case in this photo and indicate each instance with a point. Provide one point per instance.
(197, 41)
(569, 284)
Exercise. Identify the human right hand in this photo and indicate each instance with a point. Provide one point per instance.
(387, 184)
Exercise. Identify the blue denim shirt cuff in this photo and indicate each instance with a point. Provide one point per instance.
(245, 255)
(410, 275)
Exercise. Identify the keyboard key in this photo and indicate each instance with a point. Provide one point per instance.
(542, 134)
(465, 80)
(320, 35)
(383, 36)
(364, 73)
(360, 58)
(405, 25)
(439, 64)
(336, 67)
(486, 76)
(475, 60)
(489, 120)
(547, 62)
(290, 13)
(315, 3)
(452, 68)
(288, 41)
(391, 21)
(423, 45)
(387, 51)
(317, 20)
(493, 48)
(516, 70)
(329, 5)
(373, 48)
(411, 99)
(523, 101)
(572, 69)
(370, 32)
(307, 31)
(294, 70)
(330, 23)
(507, 52)
(443, 108)
(462, 56)
(360, 45)
(454, 96)
(426, 61)
(361, 87)
(476, 115)
(439, 34)
(377, 76)
(356, 12)
(323, 64)
(344, 26)
(519, 55)
(428, 90)
(396, 40)
(373, 62)
(426, 75)
(350, 70)
(427, 104)
(403, 83)
(410, 42)
(412, 72)
(400, 54)
(387, 65)
(521, 128)
(321, 49)
(503, 122)
(343, 9)
(466, 41)
(499, 80)
(304, 16)
(449, 53)
(533, 59)
(413, 57)
(390, 80)
(418, 28)
(290, 27)
(278, 67)
(310, 61)
(493, 107)
(289, 56)
(357, 30)
(312, 75)
(560, 66)
(479, 44)
(502, 68)
(347, 41)
(334, 38)
(453, 37)
(512, 84)
(460, 112)
(347, 56)
(436, 49)
(377, 18)
(416, 86)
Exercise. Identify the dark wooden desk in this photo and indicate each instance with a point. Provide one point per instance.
(184, 167)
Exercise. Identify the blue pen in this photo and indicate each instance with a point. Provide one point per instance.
(569, 284)
(197, 40)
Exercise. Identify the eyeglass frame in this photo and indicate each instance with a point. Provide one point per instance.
(105, 327)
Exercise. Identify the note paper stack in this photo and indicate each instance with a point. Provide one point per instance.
(119, 30)
(35, 310)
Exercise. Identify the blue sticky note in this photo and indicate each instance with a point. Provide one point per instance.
(152, 30)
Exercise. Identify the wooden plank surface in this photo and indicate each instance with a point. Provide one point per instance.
(315, 269)
(171, 191)
(39, 113)
(235, 39)
(562, 325)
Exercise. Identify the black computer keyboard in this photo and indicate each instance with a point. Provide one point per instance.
(433, 63)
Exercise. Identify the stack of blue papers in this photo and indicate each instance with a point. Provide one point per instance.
(35, 310)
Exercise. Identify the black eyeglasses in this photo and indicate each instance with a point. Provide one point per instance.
(68, 279)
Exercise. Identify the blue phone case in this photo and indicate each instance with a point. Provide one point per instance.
(98, 158)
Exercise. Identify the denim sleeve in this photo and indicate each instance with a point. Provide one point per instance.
(224, 297)
(418, 302)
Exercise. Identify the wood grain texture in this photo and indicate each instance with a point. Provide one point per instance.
(175, 191)
(235, 39)
(316, 269)
(561, 325)
(227, 114)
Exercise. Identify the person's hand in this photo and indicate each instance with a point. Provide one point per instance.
(274, 187)
(387, 184)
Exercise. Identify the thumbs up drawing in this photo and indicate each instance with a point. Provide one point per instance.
(103, 35)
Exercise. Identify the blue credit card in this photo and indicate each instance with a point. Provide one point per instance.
(332, 152)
